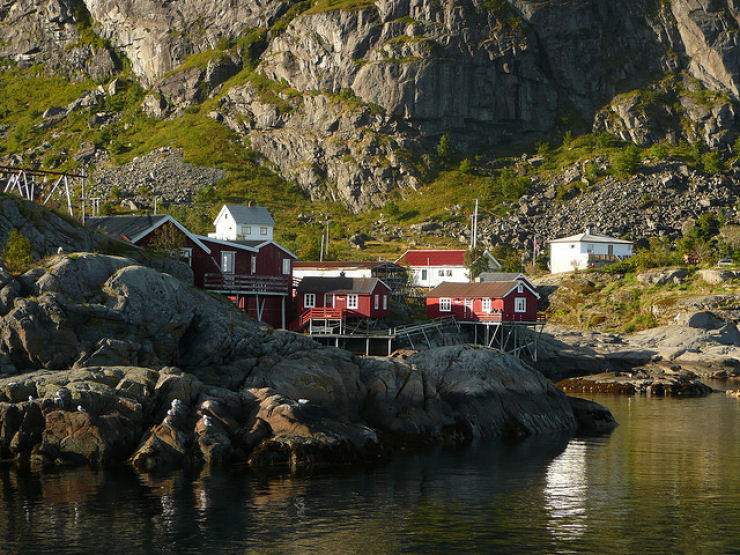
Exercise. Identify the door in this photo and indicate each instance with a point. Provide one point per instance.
(468, 308)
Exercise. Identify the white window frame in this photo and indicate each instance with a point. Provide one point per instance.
(485, 305)
(253, 264)
(263, 230)
(286, 266)
(228, 255)
(520, 304)
(377, 302)
(424, 275)
(385, 302)
(246, 230)
(449, 273)
(309, 300)
(353, 302)
(445, 304)
(441, 273)
(520, 288)
(186, 255)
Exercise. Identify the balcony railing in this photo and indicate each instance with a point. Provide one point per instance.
(248, 283)
(540, 318)
(322, 313)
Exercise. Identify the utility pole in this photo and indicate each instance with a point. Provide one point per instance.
(155, 206)
(475, 225)
(321, 250)
(327, 236)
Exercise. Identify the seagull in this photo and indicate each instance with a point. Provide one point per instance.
(171, 412)
(30, 398)
(80, 408)
(207, 421)
(303, 401)
(206, 405)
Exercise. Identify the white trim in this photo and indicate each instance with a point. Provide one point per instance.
(520, 304)
(376, 303)
(385, 302)
(286, 267)
(312, 296)
(517, 286)
(354, 305)
(229, 244)
(486, 304)
(282, 248)
(178, 225)
(233, 261)
(448, 304)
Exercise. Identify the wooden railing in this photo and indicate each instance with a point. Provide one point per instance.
(321, 313)
(248, 283)
(540, 318)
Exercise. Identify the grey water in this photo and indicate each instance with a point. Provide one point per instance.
(667, 480)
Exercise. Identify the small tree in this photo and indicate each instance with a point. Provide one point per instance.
(17, 252)
(628, 160)
(444, 148)
(475, 262)
(167, 242)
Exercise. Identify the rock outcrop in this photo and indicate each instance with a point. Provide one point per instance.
(655, 383)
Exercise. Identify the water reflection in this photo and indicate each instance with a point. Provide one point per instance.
(566, 492)
(670, 466)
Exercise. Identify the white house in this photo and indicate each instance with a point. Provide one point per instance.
(243, 223)
(586, 250)
(429, 268)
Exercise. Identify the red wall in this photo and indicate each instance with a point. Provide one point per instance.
(506, 305)
(269, 262)
(365, 303)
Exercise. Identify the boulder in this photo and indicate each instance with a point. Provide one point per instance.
(663, 276)
(716, 276)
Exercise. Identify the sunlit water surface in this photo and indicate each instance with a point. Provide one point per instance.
(666, 481)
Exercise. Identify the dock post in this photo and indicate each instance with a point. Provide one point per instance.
(367, 346)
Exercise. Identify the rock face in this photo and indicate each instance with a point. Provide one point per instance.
(160, 419)
(351, 98)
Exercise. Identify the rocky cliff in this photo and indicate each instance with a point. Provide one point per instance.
(346, 98)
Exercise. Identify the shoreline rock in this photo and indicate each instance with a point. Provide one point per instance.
(655, 383)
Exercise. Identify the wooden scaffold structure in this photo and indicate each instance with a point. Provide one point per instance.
(40, 186)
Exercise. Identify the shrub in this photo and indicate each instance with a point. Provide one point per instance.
(17, 252)
(444, 148)
(627, 161)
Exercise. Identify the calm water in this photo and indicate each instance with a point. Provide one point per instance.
(666, 481)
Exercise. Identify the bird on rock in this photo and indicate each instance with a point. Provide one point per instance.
(80, 408)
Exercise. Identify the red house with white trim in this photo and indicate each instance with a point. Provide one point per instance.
(341, 297)
(503, 301)
(431, 267)
(254, 274)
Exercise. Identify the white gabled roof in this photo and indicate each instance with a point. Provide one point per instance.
(588, 237)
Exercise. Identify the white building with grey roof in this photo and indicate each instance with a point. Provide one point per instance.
(587, 250)
(243, 223)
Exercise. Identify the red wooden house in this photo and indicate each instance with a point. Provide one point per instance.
(502, 301)
(255, 274)
(341, 298)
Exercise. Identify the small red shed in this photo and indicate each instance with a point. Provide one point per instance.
(505, 301)
(353, 297)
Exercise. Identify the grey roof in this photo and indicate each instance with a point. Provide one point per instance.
(250, 215)
(124, 227)
(500, 276)
(337, 285)
(588, 237)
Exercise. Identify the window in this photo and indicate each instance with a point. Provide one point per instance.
(441, 273)
(286, 266)
(352, 301)
(309, 300)
(445, 304)
(246, 230)
(186, 255)
(385, 302)
(520, 304)
(263, 230)
(377, 302)
(486, 305)
(227, 262)
(254, 264)
(423, 275)
(449, 272)
(520, 288)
